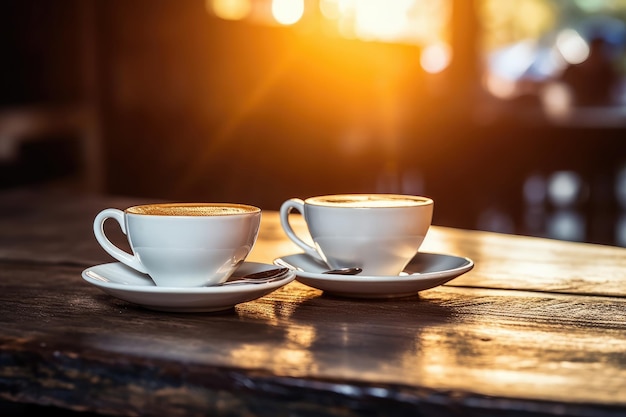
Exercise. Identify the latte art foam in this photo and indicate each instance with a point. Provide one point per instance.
(368, 200)
(192, 209)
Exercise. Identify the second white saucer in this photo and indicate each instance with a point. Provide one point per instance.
(425, 271)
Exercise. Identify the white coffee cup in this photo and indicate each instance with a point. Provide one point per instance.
(183, 244)
(379, 233)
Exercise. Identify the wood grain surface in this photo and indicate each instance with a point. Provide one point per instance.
(538, 327)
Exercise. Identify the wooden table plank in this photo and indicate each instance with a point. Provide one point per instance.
(501, 261)
(40, 225)
(529, 263)
(538, 327)
(458, 345)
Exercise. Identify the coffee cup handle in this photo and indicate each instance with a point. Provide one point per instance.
(285, 209)
(98, 230)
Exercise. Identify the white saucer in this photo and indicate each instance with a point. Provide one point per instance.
(426, 270)
(129, 285)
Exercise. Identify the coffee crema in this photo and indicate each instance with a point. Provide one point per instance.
(369, 200)
(192, 209)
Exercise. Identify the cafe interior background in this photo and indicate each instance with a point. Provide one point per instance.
(510, 114)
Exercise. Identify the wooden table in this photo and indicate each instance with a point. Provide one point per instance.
(538, 327)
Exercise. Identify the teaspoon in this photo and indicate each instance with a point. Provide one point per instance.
(354, 270)
(279, 273)
(259, 277)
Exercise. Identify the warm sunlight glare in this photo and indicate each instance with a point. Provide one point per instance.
(380, 19)
(230, 9)
(556, 100)
(330, 9)
(287, 12)
(572, 46)
(406, 21)
(418, 22)
(507, 22)
(499, 86)
(435, 58)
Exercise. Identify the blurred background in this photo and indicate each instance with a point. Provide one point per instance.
(510, 114)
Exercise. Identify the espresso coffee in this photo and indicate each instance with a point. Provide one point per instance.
(368, 200)
(192, 209)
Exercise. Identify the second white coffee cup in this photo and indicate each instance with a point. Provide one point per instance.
(379, 233)
(183, 244)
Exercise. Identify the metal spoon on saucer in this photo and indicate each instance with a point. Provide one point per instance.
(354, 270)
(279, 273)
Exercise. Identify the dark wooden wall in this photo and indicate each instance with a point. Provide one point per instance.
(196, 108)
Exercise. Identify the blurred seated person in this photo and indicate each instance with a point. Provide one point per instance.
(593, 82)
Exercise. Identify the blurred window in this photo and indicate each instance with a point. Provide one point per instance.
(420, 22)
(530, 43)
(423, 23)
